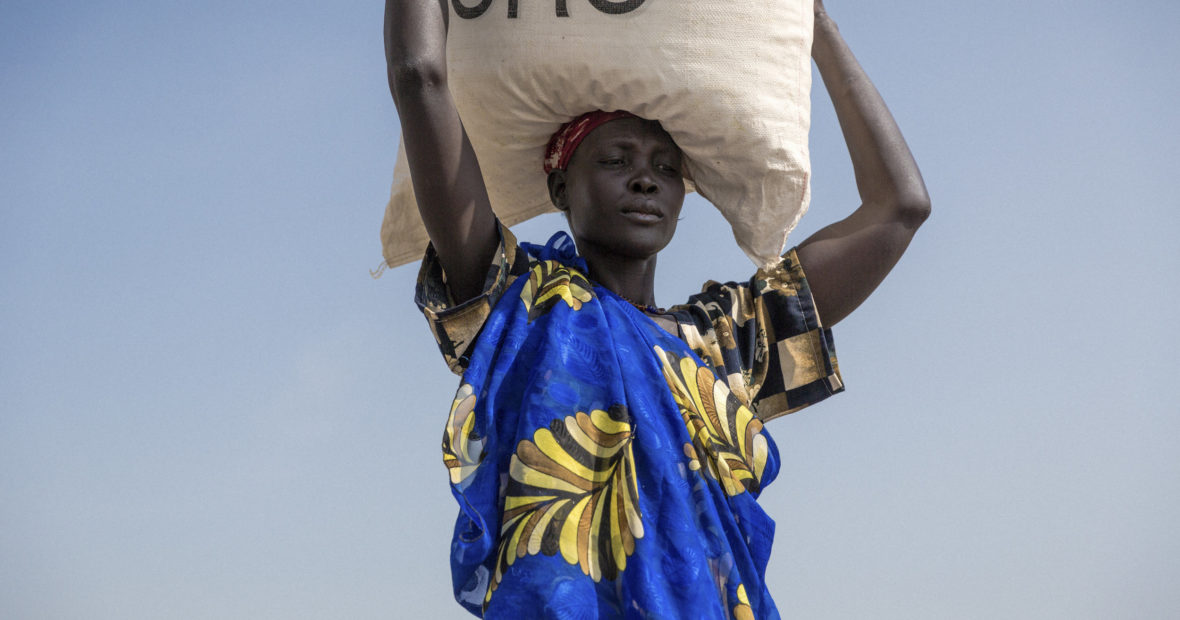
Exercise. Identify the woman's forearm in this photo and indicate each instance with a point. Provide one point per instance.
(886, 173)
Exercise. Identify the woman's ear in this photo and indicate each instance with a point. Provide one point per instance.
(557, 194)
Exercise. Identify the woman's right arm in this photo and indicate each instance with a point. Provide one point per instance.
(447, 181)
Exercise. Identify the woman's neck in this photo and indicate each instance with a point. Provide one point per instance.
(629, 278)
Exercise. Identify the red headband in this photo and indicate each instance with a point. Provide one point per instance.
(566, 140)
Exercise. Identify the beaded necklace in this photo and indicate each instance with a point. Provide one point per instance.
(643, 308)
(638, 306)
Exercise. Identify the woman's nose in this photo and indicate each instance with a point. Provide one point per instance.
(643, 183)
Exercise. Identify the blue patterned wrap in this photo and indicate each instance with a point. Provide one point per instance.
(601, 468)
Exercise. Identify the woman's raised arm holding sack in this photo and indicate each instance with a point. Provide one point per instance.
(844, 261)
(447, 180)
(848, 259)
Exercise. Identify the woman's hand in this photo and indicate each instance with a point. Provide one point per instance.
(448, 184)
(845, 261)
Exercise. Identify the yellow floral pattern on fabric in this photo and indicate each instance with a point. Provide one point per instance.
(573, 490)
(462, 446)
(550, 281)
(742, 610)
(727, 440)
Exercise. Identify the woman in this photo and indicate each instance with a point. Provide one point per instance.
(606, 454)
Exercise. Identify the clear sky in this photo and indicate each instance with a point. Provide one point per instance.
(209, 409)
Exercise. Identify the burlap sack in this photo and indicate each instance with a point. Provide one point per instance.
(730, 81)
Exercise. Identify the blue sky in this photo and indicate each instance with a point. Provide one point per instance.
(208, 409)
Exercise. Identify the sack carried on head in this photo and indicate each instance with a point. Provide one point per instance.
(729, 81)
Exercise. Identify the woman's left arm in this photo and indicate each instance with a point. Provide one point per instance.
(845, 261)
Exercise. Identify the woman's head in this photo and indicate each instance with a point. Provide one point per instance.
(618, 178)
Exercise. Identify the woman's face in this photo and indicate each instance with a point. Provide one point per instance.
(623, 189)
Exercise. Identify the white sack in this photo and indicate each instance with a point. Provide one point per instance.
(730, 81)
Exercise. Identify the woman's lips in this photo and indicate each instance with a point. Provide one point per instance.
(643, 213)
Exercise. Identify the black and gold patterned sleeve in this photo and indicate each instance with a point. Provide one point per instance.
(456, 326)
(766, 338)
